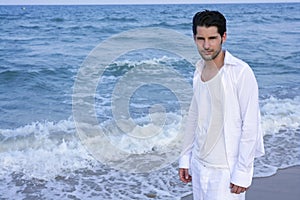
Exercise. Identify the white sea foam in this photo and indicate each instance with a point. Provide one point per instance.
(280, 122)
(48, 159)
(42, 150)
(152, 61)
(280, 114)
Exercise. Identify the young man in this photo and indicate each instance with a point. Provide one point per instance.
(223, 134)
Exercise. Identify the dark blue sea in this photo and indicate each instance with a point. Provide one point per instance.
(43, 50)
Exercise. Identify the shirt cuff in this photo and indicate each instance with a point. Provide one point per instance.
(243, 179)
(184, 161)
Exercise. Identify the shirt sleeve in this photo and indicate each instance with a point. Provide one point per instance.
(189, 135)
(247, 89)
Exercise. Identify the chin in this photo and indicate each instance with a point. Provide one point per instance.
(206, 58)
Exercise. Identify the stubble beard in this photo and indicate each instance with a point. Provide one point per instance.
(212, 57)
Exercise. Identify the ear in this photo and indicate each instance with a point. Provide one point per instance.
(224, 37)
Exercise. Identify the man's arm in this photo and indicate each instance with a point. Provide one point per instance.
(188, 137)
(248, 101)
(188, 140)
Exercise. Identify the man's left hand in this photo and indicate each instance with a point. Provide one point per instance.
(237, 189)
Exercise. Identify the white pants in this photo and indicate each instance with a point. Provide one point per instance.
(212, 183)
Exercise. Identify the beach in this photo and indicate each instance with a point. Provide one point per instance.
(283, 185)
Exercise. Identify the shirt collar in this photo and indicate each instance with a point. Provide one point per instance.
(229, 60)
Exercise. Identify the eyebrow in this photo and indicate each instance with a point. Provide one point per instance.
(211, 37)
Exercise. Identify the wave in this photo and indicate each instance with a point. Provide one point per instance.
(48, 160)
(52, 147)
(29, 27)
(280, 114)
(119, 19)
(57, 19)
(42, 150)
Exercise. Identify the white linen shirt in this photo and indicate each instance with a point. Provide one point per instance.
(242, 128)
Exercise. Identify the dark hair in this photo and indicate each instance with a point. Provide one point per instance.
(209, 18)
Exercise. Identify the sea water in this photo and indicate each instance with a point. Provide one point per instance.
(41, 51)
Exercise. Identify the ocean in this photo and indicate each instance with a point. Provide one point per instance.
(48, 147)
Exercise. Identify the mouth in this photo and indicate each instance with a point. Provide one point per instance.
(207, 52)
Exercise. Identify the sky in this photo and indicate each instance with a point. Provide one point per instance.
(75, 2)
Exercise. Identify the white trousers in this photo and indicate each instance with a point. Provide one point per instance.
(212, 183)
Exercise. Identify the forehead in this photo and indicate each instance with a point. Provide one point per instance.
(203, 30)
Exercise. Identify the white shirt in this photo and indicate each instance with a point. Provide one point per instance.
(242, 130)
(209, 136)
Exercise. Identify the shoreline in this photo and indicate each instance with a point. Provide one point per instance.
(282, 185)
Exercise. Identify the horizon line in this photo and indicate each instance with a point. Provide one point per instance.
(121, 4)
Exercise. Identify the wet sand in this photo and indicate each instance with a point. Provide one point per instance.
(284, 185)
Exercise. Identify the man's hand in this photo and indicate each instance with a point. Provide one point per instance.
(237, 189)
(184, 175)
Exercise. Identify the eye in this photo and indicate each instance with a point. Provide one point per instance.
(213, 38)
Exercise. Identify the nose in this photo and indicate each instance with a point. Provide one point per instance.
(206, 44)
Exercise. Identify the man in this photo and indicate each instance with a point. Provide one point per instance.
(223, 134)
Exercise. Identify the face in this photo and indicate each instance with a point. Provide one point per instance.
(209, 42)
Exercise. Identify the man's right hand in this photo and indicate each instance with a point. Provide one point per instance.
(184, 175)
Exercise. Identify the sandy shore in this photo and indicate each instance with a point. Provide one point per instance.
(284, 185)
